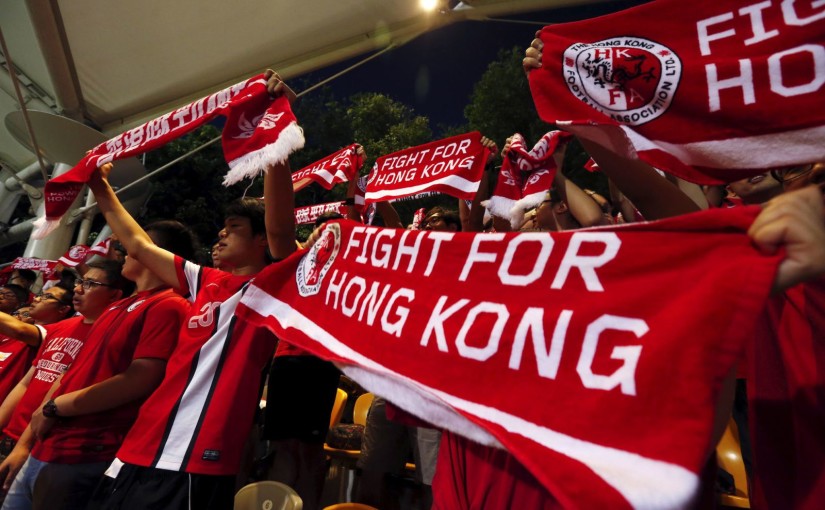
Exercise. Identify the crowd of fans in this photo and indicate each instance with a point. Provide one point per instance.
(130, 383)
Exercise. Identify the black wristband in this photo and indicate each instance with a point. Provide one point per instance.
(50, 409)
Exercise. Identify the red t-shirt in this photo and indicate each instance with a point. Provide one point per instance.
(61, 343)
(15, 360)
(199, 417)
(786, 400)
(145, 325)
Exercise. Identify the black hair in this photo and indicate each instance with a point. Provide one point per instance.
(114, 279)
(250, 208)
(449, 217)
(174, 236)
(327, 216)
(20, 293)
(27, 274)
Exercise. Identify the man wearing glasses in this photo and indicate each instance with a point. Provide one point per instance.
(12, 297)
(59, 343)
(16, 356)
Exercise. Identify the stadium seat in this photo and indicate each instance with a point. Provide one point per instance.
(267, 494)
(729, 458)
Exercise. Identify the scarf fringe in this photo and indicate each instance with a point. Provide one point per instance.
(249, 165)
(44, 226)
(499, 206)
(523, 204)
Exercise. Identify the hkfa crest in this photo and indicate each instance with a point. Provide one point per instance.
(630, 79)
(316, 262)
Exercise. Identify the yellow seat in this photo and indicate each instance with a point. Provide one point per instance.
(350, 506)
(344, 460)
(338, 407)
(729, 458)
(267, 494)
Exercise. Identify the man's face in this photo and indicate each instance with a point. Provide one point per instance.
(92, 301)
(436, 223)
(49, 306)
(23, 314)
(8, 301)
(757, 189)
(237, 245)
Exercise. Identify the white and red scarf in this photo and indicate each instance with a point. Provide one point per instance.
(308, 214)
(259, 131)
(709, 91)
(453, 166)
(341, 166)
(535, 341)
(34, 264)
(75, 256)
(525, 176)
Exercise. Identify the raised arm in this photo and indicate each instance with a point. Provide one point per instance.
(279, 198)
(136, 241)
(19, 330)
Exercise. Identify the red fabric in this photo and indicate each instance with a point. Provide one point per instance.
(648, 83)
(74, 256)
(61, 344)
(525, 177)
(15, 359)
(33, 264)
(786, 401)
(308, 215)
(467, 342)
(144, 325)
(199, 417)
(453, 166)
(341, 166)
(470, 476)
(591, 166)
(258, 131)
(101, 247)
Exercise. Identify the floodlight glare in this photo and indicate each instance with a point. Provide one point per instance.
(428, 5)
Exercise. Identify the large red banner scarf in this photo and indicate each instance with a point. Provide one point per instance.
(710, 91)
(341, 166)
(259, 131)
(453, 166)
(308, 214)
(594, 356)
(525, 176)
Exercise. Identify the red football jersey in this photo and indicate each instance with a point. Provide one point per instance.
(786, 400)
(61, 343)
(198, 419)
(15, 360)
(145, 325)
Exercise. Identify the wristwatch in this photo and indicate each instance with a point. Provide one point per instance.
(50, 409)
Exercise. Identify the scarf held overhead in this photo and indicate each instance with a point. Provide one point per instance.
(453, 166)
(525, 177)
(259, 131)
(710, 91)
(341, 166)
(308, 214)
(535, 341)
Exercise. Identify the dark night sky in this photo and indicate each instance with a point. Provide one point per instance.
(436, 72)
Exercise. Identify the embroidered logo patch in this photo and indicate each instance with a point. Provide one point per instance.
(630, 79)
(316, 262)
(214, 455)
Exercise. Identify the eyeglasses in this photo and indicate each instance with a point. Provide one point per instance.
(791, 173)
(43, 296)
(25, 315)
(88, 284)
(7, 294)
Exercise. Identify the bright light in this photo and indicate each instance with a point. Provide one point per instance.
(428, 5)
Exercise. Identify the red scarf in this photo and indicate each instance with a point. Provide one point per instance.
(310, 213)
(34, 264)
(595, 357)
(525, 176)
(74, 256)
(341, 166)
(452, 166)
(710, 91)
(259, 131)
